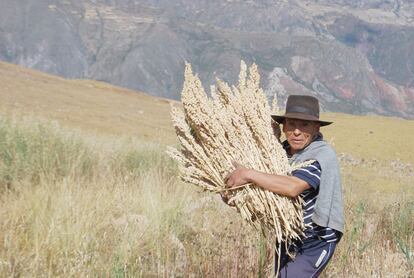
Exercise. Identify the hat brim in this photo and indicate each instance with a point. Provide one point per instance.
(280, 119)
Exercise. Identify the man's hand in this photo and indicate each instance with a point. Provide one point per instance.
(225, 197)
(238, 177)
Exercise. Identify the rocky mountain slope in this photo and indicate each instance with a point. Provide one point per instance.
(355, 55)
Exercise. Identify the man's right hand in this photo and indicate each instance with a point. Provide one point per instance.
(225, 196)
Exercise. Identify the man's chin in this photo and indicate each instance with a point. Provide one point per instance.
(297, 147)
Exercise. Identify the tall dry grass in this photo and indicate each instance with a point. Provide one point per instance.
(76, 206)
(123, 214)
(376, 243)
(34, 151)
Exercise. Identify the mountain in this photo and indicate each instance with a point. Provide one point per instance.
(356, 56)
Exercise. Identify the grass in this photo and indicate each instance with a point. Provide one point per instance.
(91, 106)
(378, 241)
(93, 198)
(76, 206)
(371, 137)
(127, 215)
(35, 151)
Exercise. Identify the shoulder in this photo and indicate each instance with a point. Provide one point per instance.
(321, 145)
(318, 150)
(321, 152)
(322, 149)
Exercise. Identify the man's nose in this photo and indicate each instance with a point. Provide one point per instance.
(296, 131)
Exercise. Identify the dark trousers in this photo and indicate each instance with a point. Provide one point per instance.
(312, 256)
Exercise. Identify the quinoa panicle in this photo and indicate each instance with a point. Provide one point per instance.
(234, 125)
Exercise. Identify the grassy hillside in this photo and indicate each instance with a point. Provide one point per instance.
(368, 145)
(94, 107)
(100, 108)
(369, 137)
(74, 207)
(94, 194)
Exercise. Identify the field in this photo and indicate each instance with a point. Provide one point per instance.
(86, 190)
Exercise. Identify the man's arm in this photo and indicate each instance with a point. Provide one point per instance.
(283, 185)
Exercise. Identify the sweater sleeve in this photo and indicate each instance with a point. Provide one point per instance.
(310, 174)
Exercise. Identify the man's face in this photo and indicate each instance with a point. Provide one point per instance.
(299, 133)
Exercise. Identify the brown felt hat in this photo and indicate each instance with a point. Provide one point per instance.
(302, 108)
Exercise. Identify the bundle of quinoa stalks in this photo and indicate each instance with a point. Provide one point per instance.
(234, 124)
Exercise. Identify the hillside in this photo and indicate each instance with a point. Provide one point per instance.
(86, 204)
(100, 108)
(92, 106)
(356, 56)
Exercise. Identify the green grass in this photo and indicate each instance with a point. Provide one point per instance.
(31, 151)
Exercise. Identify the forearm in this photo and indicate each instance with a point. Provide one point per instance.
(283, 185)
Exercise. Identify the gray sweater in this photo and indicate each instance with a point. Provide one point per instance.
(328, 211)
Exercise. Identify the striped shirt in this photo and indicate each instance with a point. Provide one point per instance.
(312, 175)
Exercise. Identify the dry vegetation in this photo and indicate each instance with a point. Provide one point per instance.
(74, 204)
(92, 106)
(231, 126)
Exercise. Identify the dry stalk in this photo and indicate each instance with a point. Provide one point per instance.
(234, 125)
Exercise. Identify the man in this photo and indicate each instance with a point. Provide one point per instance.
(318, 184)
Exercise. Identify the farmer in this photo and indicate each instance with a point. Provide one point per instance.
(318, 184)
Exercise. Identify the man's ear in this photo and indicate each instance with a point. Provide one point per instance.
(318, 127)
